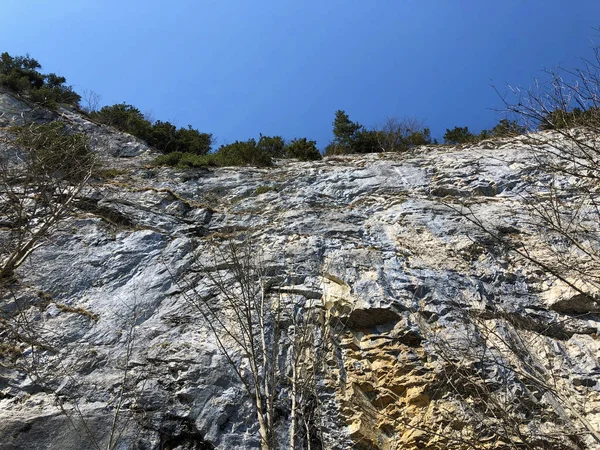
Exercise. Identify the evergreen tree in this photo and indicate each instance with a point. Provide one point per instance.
(272, 145)
(126, 118)
(507, 127)
(21, 74)
(303, 149)
(344, 129)
(458, 135)
(345, 133)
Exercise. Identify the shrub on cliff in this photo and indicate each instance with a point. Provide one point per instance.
(397, 135)
(418, 137)
(39, 188)
(274, 146)
(393, 136)
(167, 138)
(192, 141)
(303, 149)
(365, 141)
(164, 136)
(504, 128)
(563, 117)
(459, 135)
(244, 153)
(126, 118)
(351, 138)
(20, 74)
(183, 160)
(54, 152)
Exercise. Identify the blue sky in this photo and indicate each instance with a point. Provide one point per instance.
(283, 67)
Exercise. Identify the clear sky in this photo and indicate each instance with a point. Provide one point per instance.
(283, 67)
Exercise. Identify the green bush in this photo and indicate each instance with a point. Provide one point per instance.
(170, 159)
(189, 160)
(395, 135)
(51, 97)
(192, 141)
(504, 128)
(55, 152)
(459, 135)
(164, 136)
(507, 127)
(344, 130)
(264, 189)
(20, 74)
(365, 141)
(303, 149)
(126, 118)
(245, 153)
(15, 82)
(274, 146)
(561, 118)
(183, 160)
(417, 138)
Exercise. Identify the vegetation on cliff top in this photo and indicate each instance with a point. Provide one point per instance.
(187, 147)
(21, 75)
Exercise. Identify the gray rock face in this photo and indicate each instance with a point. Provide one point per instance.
(18, 111)
(447, 333)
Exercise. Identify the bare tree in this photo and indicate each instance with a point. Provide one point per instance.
(393, 135)
(90, 101)
(42, 171)
(273, 338)
(149, 116)
(505, 390)
(562, 113)
(559, 236)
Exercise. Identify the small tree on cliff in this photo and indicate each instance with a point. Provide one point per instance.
(303, 149)
(125, 118)
(345, 132)
(458, 135)
(274, 342)
(344, 129)
(40, 180)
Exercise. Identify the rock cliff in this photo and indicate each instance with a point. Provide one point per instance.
(449, 341)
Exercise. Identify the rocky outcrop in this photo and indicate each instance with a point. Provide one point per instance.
(450, 340)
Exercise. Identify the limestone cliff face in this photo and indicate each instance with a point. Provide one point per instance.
(451, 341)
